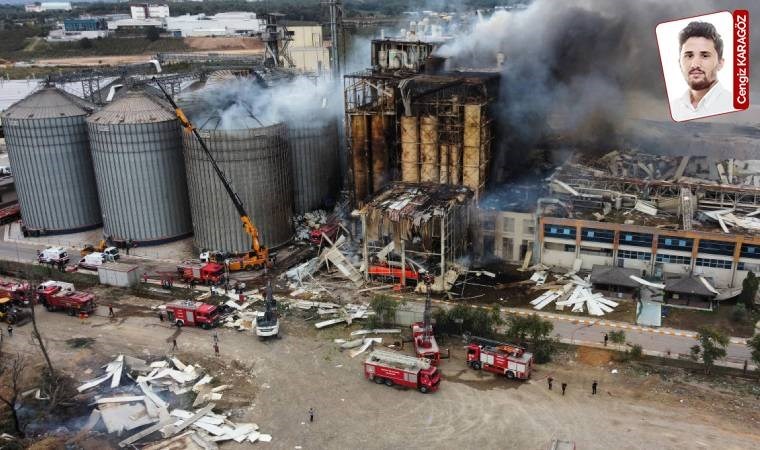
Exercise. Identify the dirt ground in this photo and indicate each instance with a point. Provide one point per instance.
(276, 382)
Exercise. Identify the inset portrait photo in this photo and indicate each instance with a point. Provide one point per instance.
(697, 62)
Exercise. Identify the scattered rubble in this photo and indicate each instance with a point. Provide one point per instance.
(146, 402)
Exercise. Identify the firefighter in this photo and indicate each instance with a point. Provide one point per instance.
(216, 349)
(606, 338)
(311, 414)
(10, 330)
(161, 315)
(550, 380)
(564, 386)
(110, 312)
(593, 388)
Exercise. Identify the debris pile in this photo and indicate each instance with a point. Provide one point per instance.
(146, 400)
(361, 344)
(570, 290)
(305, 223)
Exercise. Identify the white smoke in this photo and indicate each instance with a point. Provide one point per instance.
(241, 103)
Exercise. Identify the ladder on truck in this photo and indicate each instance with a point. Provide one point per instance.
(404, 360)
(687, 207)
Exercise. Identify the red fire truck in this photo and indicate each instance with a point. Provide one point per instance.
(425, 345)
(204, 273)
(193, 314)
(60, 296)
(500, 358)
(14, 290)
(407, 371)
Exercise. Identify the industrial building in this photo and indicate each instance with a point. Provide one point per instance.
(148, 10)
(408, 120)
(47, 6)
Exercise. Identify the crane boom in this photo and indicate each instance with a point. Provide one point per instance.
(248, 226)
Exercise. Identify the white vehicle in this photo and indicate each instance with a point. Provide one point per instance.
(53, 255)
(92, 261)
(111, 254)
(267, 322)
(67, 288)
(5, 171)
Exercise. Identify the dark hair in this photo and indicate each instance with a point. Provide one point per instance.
(701, 29)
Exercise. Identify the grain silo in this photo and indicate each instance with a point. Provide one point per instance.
(46, 136)
(137, 152)
(257, 161)
(316, 168)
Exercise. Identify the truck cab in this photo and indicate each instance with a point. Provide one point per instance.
(53, 255)
(111, 254)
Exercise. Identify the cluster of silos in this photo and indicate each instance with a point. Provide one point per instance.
(48, 148)
(257, 161)
(137, 154)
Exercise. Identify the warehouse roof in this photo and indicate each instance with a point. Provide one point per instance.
(614, 276)
(689, 284)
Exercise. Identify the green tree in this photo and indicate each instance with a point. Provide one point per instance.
(152, 34)
(739, 313)
(535, 330)
(712, 346)
(749, 291)
(617, 337)
(754, 346)
(385, 311)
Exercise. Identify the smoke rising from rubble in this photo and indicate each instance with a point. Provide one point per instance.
(236, 102)
(572, 71)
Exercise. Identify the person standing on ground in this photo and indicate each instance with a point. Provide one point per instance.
(550, 380)
(216, 349)
(216, 337)
(174, 344)
(110, 311)
(606, 338)
(161, 316)
(311, 414)
(564, 386)
(593, 388)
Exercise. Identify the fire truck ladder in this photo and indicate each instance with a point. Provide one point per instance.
(404, 360)
(491, 343)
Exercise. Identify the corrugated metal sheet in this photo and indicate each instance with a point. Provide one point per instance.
(258, 163)
(49, 154)
(140, 170)
(316, 168)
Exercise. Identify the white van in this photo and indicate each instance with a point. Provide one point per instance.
(111, 254)
(92, 261)
(53, 255)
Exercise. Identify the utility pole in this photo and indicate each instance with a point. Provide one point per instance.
(335, 8)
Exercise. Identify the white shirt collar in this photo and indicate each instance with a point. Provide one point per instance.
(706, 102)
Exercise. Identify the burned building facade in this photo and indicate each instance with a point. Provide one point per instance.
(408, 121)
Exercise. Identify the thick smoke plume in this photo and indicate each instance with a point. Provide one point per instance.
(578, 72)
(242, 103)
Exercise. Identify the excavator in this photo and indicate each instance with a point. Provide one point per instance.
(258, 256)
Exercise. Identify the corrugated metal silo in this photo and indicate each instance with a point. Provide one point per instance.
(46, 136)
(137, 151)
(257, 161)
(316, 168)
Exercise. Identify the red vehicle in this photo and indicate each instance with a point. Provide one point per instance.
(205, 273)
(425, 345)
(60, 296)
(407, 371)
(328, 230)
(14, 290)
(194, 314)
(385, 270)
(9, 213)
(500, 358)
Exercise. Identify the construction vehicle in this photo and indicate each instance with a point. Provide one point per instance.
(60, 296)
(202, 273)
(425, 345)
(402, 370)
(53, 255)
(501, 358)
(89, 248)
(16, 291)
(258, 256)
(193, 314)
(268, 324)
(10, 314)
